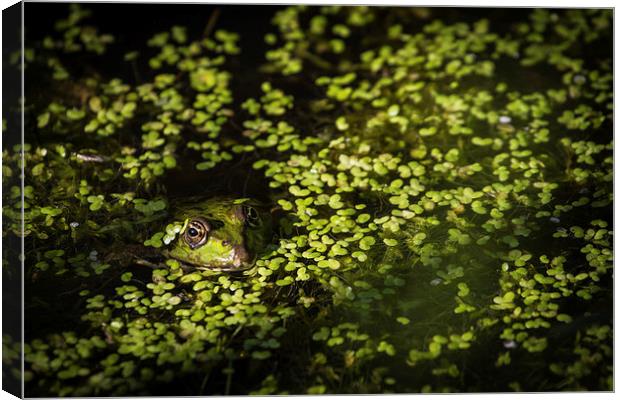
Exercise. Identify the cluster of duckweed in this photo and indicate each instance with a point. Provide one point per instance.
(445, 218)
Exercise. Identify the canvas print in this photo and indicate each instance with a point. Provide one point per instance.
(224, 199)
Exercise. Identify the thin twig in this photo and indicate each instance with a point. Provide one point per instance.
(147, 263)
(211, 23)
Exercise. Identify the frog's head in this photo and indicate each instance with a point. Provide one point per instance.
(221, 234)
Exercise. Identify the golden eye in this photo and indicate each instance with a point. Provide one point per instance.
(192, 232)
(197, 232)
(251, 216)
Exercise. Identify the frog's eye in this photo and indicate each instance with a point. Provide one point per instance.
(197, 232)
(251, 216)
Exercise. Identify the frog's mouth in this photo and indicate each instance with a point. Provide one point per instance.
(239, 259)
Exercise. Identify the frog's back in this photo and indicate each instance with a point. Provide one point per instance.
(215, 207)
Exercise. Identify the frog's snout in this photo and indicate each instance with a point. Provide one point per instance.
(240, 255)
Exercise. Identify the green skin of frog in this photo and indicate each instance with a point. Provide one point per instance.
(221, 234)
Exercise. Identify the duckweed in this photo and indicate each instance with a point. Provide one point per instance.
(443, 192)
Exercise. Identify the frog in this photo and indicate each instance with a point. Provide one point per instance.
(220, 234)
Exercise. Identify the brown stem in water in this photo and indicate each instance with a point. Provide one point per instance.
(211, 23)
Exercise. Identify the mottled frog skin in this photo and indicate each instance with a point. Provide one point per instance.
(221, 233)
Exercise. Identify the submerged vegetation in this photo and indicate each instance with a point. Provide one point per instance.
(444, 190)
